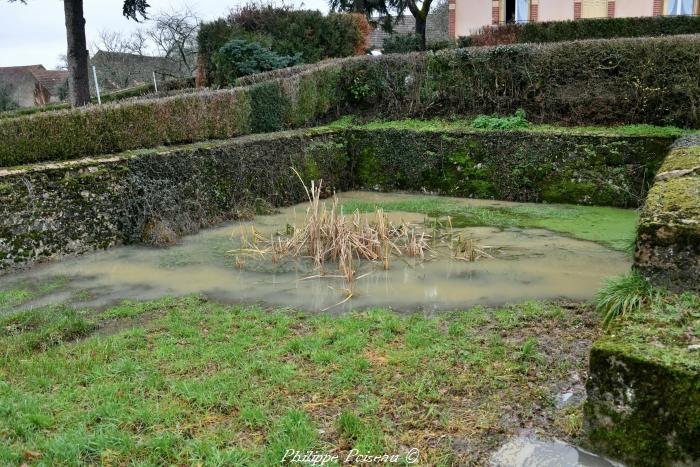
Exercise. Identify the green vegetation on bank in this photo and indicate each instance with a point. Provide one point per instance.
(625, 295)
(662, 329)
(512, 123)
(194, 382)
(650, 320)
(611, 227)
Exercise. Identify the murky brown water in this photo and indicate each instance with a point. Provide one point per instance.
(530, 264)
(527, 451)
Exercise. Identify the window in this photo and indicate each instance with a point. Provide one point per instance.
(594, 9)
(515, 11)
(681, 7)
(522, 11)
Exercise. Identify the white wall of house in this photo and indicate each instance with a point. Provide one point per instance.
(625, 8)
(471, 15)
(555, 10)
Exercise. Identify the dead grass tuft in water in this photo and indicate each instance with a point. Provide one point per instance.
(337, 243)
(158, 233)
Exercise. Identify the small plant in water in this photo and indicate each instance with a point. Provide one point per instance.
(624, 295)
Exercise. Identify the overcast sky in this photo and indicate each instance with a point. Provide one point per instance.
(35, 33)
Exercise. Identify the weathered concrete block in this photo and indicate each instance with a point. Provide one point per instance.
(668, 235)
(643, 404)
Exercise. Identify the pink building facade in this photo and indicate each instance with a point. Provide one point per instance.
(468, 16)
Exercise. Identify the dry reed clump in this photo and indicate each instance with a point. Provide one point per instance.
(327, 236)
(158, 233)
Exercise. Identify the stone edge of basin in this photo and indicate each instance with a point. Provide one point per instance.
(668, 233)
(643, 402)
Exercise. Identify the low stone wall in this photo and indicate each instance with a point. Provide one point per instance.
(154, 196)
(643, 404)
(521, 165)
(668, 236)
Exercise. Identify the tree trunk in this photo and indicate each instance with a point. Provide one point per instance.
(79, 79)
(420, 29)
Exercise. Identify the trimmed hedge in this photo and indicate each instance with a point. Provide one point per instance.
(598, 28)
(650, 80)
(268, 106)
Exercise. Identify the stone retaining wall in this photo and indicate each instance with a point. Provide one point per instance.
(155, 196)
(643, 404)
(668, 236)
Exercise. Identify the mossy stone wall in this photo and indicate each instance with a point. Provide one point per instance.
(49, 210)
(668, 235)
(157, 195)
(643, 404)
(554, 167)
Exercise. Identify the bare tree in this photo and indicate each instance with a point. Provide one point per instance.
(62, 63)
(114, 41)
(174, 35)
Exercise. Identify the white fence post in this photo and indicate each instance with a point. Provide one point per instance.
(97, 85)
(155, 84)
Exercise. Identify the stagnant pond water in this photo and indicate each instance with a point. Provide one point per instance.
(527, 264)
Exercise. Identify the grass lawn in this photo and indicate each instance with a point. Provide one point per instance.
(189, 381)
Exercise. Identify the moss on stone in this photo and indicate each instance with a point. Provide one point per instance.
(675, 200)
(682, 159)
(643, 402)
(510, 165)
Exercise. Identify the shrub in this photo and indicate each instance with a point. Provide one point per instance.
(598, 28)
(285, 31)
(402, 43)
(440, 45)
(239, 58)
(6, 101)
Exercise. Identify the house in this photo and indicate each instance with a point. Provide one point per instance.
(118, 70)
(435, 28)
(33, 85)
(468, 16)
